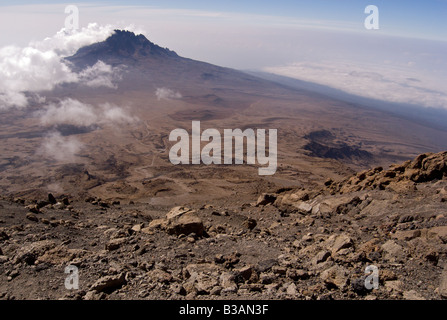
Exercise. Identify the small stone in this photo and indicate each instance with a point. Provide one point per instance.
(265, 199)
(374, 256)
(231, 260)
(51, 199)
(137, 227)
(14, 273)
(186, 224)
(216, 291)
(394, 285)
(3, 235)
(219, 258)
(443, 283)
(103, 204)
(59, 206)
(407, 235)
(297, 244)
(255, 287)
(440, 232)
(115, 244)
(33, 208)
(405, 218)
(42, 203)
(18, 200)
(291, 290)
(265, 265)
(432, 256)
(320, 257)
(358, 286)
(304, 207)
(94, 295)
(279, 270)
(336, 276)
(341, 242)
(393, 251)
(177, 212)
(227, 282)
(178, 289)
(297, 274)
(307, 238)
(32, 217)
(158, 275)
(54, 223)
(245, 272)
(412, 295)
(29, 253)
(387, 275)
(249, 223)
(325, 296)
(267, 278)
(271, 288)
(108, 284)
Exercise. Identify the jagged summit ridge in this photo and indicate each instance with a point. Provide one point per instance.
(121, 45)
(127, 43)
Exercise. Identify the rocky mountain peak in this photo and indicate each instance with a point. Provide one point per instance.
(121, 45)
(127, 43)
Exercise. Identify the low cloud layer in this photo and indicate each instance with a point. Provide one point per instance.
(166, 94)
(29, 69)
(60, 148)
(99, 75)
(67, 42)
(77, 113)
(385, 82)
(40, 65)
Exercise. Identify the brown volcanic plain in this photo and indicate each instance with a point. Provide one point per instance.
(318, 137)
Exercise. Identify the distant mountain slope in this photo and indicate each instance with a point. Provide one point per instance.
(432, 117)
(149, 65)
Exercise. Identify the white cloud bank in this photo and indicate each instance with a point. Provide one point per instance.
(39, 66)
(67, 42)
(73, 112)
(385, 82)
(99, 75)
(167, 94)
(77, 113)
(60, 148)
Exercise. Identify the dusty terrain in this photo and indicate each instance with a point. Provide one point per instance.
(139, 227)
(292, 244)
(318, 137)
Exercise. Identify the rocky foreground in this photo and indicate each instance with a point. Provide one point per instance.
(290, 244)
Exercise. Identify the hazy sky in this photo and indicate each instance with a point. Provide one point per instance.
(323, 41)
(424, 19)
